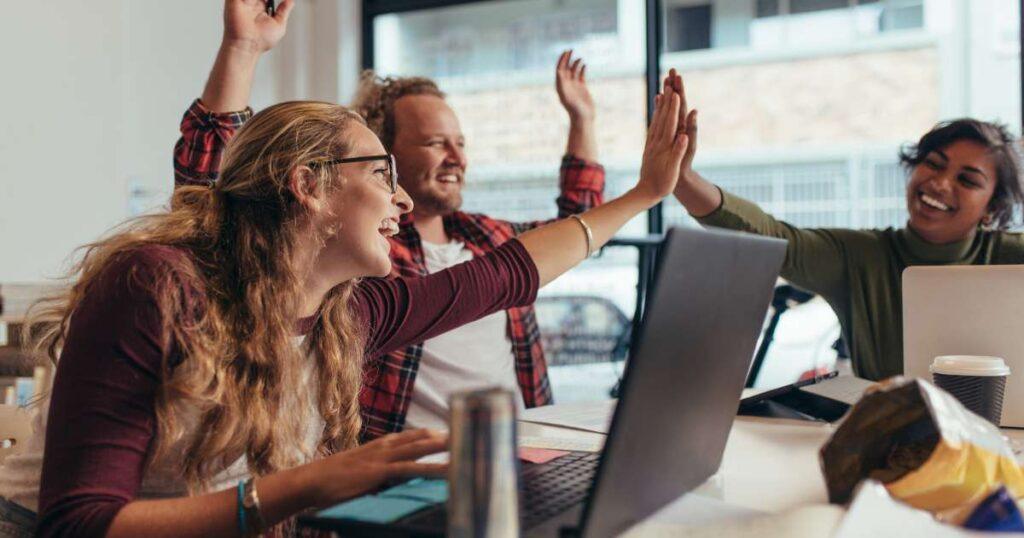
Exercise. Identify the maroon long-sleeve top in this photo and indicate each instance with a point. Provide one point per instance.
(102, 418)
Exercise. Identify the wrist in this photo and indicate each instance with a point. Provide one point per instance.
(240, 48)
(580, 119)
(643, 197)
(305, 480)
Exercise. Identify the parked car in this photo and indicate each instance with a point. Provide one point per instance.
(582, 329)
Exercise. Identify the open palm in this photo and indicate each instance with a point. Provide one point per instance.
(246, 23)
(571, 84)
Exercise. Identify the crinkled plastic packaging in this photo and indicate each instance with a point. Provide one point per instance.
(928, 450)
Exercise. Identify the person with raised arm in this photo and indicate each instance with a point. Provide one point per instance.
(409, 387)
(209, 358)
(963, 193)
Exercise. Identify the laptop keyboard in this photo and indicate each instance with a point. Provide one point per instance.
(548, 490)
(554, 487)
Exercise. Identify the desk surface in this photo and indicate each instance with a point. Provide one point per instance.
(762, 455)
(770, 465)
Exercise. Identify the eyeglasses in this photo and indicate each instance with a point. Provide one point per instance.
(387, 157)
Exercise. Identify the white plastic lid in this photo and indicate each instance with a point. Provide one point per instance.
(969, 365)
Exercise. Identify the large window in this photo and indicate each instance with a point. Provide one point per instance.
(496, 61)
(804, 105)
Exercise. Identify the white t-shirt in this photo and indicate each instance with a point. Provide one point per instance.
(473, 356)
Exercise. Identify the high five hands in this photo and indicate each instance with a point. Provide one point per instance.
(668, 143)
(687, 120)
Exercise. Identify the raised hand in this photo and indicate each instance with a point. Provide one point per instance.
(356, 471)
(687, 121)
(247, 24)
(571, 84)
(666, 146)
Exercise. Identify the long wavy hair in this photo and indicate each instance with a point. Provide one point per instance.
(230, 315)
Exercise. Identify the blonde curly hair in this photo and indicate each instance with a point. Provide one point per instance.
(376, 96)
(235, 336)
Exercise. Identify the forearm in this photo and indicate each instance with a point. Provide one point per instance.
(281, 495)
(699, 196)
(230, 81)
(559, 246)
(582, 141)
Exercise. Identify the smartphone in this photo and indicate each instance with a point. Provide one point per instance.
(270, 7)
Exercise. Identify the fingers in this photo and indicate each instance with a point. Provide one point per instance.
(680, 89)
(691, 135)
(576, 68)
(418, 449)
(563, 60)
(570, 68)
(407, 436)
(284, 9)
(681, 146)
(672, 117)
(409, 469)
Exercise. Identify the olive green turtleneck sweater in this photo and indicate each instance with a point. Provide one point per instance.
(858, 272)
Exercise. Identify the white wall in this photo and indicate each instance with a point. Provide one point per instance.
(60, 177)
(92, 101)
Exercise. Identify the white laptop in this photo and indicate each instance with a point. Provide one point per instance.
(966, 310)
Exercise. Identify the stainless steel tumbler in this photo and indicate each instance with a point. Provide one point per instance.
(483, 476)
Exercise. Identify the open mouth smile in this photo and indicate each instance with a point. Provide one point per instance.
(934, 203)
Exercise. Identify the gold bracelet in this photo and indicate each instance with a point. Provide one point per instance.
(587, 232)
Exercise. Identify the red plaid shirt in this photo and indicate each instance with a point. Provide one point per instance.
(389, 382)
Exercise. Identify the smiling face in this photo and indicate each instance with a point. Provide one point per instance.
(949, 192)
(429, 146)
(359, 214)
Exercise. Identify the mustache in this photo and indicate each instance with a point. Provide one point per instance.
(456, 170)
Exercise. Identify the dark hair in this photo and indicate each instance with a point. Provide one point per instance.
(1002, 148)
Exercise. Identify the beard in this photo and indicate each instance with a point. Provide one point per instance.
(437, 203)
(434, 201)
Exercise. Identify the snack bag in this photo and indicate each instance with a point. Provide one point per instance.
(999, 512)
(928, 450)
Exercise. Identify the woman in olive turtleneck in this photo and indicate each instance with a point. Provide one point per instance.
(962, 195)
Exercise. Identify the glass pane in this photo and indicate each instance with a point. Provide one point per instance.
(804, 114)
(804, 6)
(496, 62)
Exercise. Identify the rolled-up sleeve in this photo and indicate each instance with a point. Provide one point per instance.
(204, 134)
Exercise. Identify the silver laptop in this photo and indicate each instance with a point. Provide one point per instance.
(966, 310)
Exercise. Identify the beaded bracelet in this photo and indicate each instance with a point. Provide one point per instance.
(242, 527)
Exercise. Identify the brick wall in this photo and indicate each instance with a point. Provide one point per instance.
(867, 98)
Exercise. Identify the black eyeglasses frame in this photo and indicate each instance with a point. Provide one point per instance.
(387, 157)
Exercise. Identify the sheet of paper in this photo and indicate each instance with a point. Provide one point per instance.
(845, 388)
(586, 416)
(563, 443)
(539, 455)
